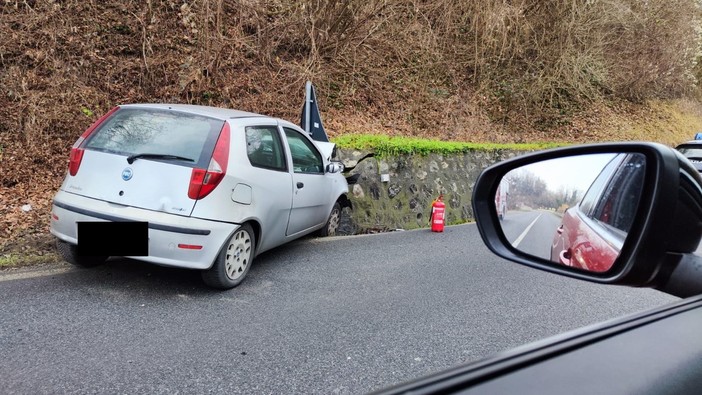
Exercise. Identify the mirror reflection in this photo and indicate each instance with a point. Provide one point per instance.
(575, 211)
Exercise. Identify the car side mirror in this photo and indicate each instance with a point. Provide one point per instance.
(335, 167)
(623, 213)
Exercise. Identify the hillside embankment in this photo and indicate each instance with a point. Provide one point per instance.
(480, 71)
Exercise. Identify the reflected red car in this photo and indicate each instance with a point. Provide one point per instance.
(592, 233)
(577, 244)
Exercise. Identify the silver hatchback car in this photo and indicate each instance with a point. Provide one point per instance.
(210, 187)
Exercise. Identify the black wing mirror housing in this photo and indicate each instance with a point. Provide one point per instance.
(658, 250)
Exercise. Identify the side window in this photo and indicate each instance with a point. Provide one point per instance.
(264, 148)
(305, 157)
(593, 193)
(620, 199)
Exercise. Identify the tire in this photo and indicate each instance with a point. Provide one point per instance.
(69, 253)
(234, 260)
(332, 225)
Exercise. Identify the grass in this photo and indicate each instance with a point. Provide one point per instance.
(388, 146)
(11, 260)
(15, 260)
(29, 249)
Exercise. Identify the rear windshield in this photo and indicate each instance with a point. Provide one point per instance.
(132, 131)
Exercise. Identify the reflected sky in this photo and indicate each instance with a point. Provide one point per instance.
(574, 172)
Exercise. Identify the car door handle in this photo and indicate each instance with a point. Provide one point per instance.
(300, 185)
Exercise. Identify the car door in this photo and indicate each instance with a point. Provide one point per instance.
(265, 174)
(312, 189)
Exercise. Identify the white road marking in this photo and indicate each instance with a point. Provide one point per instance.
(521, 237)
(33, 274)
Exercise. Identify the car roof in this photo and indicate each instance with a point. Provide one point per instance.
(212, 112)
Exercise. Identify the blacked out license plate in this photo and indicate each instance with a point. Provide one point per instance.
(113, 238)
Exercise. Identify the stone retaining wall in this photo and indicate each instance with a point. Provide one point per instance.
(396, 192)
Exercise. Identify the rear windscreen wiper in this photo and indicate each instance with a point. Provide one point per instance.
(132, 158)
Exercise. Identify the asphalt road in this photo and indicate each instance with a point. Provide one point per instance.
(319, 316)
(531, 231)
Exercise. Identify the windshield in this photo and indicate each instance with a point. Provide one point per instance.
(691, 151)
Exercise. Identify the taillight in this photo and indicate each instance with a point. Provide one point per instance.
(204, 181)
(76, 155)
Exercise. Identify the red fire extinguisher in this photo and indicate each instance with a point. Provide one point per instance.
(438, 209)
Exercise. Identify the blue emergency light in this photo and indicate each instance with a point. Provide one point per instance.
(698, 136)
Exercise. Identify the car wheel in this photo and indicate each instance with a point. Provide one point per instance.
(69, 253)
(332, 224)
(234, 260)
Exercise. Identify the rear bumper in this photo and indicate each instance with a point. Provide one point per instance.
(166, 231)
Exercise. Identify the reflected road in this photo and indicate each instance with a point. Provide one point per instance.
(532, 231)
